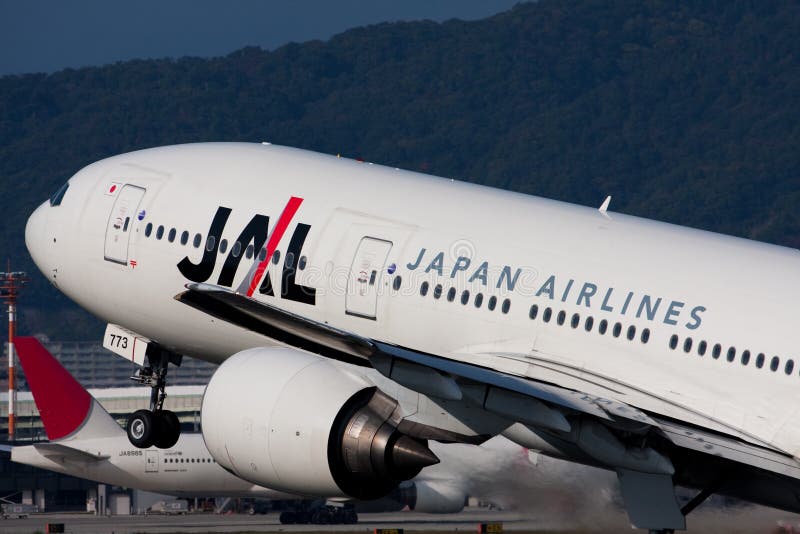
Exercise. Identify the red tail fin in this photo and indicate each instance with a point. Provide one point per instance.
(62, 402)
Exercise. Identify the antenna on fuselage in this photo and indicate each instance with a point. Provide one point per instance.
(604, 206)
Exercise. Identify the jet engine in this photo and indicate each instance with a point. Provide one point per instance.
(301, 423)
(432, 496)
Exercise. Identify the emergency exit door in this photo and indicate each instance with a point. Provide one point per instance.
(120, 223)
(365, 276)
(151, 461)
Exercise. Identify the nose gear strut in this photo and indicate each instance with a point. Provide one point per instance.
(155, 426)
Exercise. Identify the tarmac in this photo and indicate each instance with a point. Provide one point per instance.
(749, 520)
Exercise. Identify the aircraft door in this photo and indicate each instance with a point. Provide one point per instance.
(365, 276)
(151, 461)
(120, 223)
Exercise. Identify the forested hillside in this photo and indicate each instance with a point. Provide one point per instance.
(687, 112)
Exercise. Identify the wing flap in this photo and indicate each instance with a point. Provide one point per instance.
(709, 442)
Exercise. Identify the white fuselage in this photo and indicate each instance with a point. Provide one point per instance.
(185, 470)
(522, 251)
(188, 470)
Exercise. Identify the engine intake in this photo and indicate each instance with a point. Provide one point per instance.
(297, 422)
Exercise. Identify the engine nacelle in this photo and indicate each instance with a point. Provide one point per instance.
(432, 496)
(300, 423)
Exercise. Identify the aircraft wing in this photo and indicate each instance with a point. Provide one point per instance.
(63, 453)
(303, 333)
(282, 326)
(533, 402)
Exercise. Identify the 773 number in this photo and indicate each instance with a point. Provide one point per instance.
(120, 342)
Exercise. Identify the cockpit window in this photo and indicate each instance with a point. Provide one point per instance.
(55, 200)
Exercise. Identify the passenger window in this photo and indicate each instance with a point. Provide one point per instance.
(617, 330)
(562, 316)
(184, 237)
(210, 242)
(223, 245)
(602, 327)
(774, 363)
(437, 291)
(746, 357)
(236, 249)
(171, 235)
(262, 255)
(506, 305)
(687, 345)
(589, 323)
(576, 320)
(248, 252)
(760, 360)
(451, 294)
(465, 297)
(716, 351)
(302, 263)
(290, 262)
(492, 303)
(789, 367)
(160, 232)
(423, 289)
(673, 341)
(478, 300)
(396, 284)
(148, 229)
(731, 354)
(534, 311)
(645, 335)
(701, 347)
(197, 240)
(548, 313)
(276, 257)
(631, 332)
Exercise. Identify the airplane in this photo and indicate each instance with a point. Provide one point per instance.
(359, 312)
(86, 442)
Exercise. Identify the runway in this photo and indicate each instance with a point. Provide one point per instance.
(466, 521)
(750, 520)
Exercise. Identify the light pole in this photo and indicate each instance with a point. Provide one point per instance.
(10, 284)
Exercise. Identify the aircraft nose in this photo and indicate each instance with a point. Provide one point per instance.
(35, 236)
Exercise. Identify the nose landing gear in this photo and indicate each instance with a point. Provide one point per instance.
(155, 426)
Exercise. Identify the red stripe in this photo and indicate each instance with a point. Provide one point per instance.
(62, 402)
(283, 222)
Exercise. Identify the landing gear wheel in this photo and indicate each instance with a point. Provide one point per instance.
(155, 426)
(287, 518)
(141, 429)
(168, 431)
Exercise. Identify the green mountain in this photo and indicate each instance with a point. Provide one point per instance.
(687, 112)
